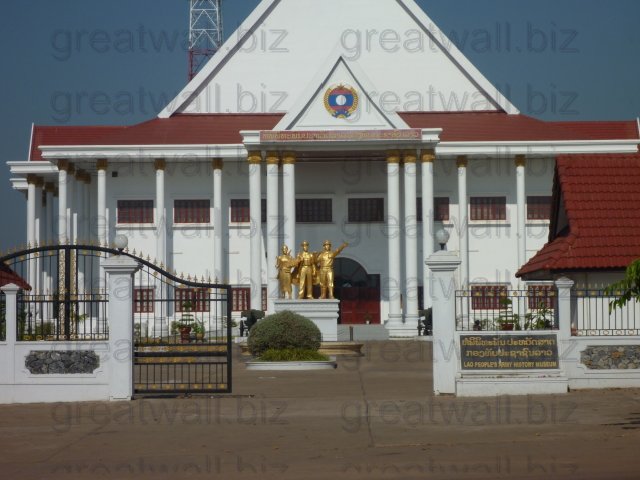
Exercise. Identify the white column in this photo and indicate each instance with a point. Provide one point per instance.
(442, 265)
(32, 180)
(289, 204)
(50, 232)
(273, 171)
(218, 258)
(79, 206)
(161, 218)
(86, 188)
(255, 207)
(394, 324)
(39, 224)
(564, 286)
(410, 242)
(102, 166)
(428, 214)
(120, 271)
(71, 203)
(463, 219)
(522, 214)
(62, 201)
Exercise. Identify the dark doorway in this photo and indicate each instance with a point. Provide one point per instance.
(358, 292)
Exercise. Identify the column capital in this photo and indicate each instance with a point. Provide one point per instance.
(63, 165)
(393, 156)
(462, 161)
(521, 161)
(49, 187)
(33, 179)
(289, 158)
(409, 156)
(217, 163)
(102, 164)
(428, 156)
(254, 158)
(159, 164)
(273, 158)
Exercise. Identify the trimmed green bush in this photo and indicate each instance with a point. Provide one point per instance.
(292, 355)
(284, 330)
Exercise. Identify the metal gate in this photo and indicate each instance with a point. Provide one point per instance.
(182, 332)
(181, 326)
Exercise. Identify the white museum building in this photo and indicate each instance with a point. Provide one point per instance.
(367, 127)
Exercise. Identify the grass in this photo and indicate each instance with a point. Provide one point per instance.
(292, 355)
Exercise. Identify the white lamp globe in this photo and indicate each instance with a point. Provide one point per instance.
(121, 242)
(442, 237)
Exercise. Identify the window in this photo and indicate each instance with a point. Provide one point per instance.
(487, 297)
(135, 211)
(489, 208)
(314, 210)
(198, 298)
(241, 299)
(143, 299)
(440, 209)
(241, 210)
(366, 210)
(541, 296)
(191, 211)
(539, 208)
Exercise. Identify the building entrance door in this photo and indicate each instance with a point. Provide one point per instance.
(358, 292)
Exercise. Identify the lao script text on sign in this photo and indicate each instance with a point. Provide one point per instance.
(509, 352)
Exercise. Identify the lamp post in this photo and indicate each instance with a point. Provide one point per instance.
(442, 236)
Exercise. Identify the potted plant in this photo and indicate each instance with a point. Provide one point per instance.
(199, 330)
(186, 322)
(507, 320)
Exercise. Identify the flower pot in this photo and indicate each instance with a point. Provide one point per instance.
(185, 334)
(507, 326)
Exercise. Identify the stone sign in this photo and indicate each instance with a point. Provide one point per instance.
(509, 352)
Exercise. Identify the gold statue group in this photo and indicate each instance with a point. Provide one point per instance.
(307, 269)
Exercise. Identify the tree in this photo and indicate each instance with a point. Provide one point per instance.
(626, 289)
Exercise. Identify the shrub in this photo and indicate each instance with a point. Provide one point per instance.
(284, 330)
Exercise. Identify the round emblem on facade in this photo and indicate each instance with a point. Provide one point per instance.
(341, 101)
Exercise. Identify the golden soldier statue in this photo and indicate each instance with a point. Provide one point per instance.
(285, 263)
(305, 273)
(324, 262)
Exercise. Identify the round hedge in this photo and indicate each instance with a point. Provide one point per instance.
(283, 330)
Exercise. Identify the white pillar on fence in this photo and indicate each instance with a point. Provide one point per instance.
(120, 270)
(218, 269)
(564, 286)
(443, 266)
(522, 210)
(11, 323)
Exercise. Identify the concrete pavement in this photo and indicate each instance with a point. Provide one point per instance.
(372, 418)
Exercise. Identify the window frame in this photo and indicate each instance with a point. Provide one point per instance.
(529, 203)
(138, 302)
(200, 305)
(263, 205)
(378, 198)
(245, 291)
(504, 205)
(203, 208)
(146, 209)
(435, 209)
(314, 199)
(488, 302)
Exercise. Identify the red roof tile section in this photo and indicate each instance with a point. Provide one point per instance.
(601, 194)
(497, 126)
(220, 129)
(8, 276)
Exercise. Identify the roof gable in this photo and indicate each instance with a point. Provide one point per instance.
(266, 64)
(311, 113)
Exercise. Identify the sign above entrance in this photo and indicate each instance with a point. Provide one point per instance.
(341, 101)
(413, 134)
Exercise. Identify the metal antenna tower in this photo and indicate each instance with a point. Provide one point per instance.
(205, 32)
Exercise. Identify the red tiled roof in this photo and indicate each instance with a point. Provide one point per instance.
(8, 276)
(214, 129)
(498, 126)
(601, 194)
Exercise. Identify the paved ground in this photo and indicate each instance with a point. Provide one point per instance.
(372, 418)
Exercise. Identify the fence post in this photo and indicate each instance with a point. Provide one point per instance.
(564, 286)
(443, 266)
(120, 270)
(11, 325)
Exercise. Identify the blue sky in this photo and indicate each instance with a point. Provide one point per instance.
(565, 60)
